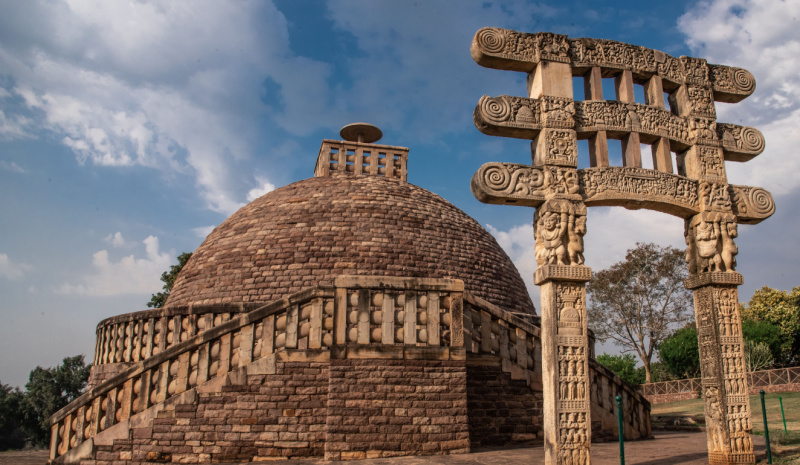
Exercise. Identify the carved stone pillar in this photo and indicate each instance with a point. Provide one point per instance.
(559, 228)
(716, 301)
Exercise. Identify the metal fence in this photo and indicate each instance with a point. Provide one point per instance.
(755, 379)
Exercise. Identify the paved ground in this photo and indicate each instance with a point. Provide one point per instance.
(667, 448)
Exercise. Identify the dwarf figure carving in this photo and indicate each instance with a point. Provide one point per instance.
(558, 228)
(710, 245)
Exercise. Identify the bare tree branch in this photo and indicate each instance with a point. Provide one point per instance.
(637, 302)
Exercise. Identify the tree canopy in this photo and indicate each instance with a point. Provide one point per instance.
(781, 309)
(48, 390)
(639, 301)
(168, 277)
(680, 353)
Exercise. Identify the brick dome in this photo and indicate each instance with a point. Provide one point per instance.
(306, 233)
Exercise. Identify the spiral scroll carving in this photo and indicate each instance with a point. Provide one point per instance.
(491, 40)
(497, 178)
(752, 140)
(495, 109)
(744, 81)
(761, 201)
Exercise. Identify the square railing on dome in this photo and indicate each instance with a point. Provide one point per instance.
(347, 157)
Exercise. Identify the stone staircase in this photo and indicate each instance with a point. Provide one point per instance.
(268, 383)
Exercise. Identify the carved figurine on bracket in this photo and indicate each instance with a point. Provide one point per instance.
(558, 227)
(710, 243)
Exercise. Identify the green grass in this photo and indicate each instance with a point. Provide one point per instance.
(791, 407)
(785, 446)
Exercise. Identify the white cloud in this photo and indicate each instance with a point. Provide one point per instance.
(129, 275)
(10, 269)
(760, 36)
(203, 231)
(14, 126)
(116, 240)
(170, 86)
(12, 166)
(264, 187)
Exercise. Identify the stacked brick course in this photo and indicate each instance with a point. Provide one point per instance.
(501, 410)
(307, 233)
(279, 415)
(384, 408)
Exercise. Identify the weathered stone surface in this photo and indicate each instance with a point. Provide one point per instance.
(699, 193)
(311, 231)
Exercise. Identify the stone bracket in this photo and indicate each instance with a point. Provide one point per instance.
(728, 278)
(572, 273)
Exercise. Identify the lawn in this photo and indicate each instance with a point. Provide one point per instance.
(783, 445)
(791, 407)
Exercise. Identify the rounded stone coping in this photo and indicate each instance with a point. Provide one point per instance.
(182, 310)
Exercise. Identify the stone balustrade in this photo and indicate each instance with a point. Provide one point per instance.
(418, 312)
(349, 157)
(363, 315)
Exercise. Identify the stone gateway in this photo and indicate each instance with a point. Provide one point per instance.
(699, 193)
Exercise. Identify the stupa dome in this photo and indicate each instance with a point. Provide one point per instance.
(307, 233)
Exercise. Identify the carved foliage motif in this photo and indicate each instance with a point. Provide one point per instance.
(696, 70)
(710, 245)
(634, 117)
(752, 202)
(522, 181)
(741, 138)
(558, 112)
(573, 393)
(638, 183)
(722, 362)
(712, 166)
(714, 196)
(573, 438)
(701, 100)
(729, 79)
(558, 228)
(607, 53)
(561, 147)
(521, 46)
(703, 130)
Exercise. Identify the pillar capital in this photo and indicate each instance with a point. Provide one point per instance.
(577, 273)
(729, 278)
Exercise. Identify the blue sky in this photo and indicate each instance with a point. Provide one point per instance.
(128, 130)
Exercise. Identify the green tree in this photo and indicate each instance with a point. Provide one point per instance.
(680, 353)
(757, 355)
(639, 301)
(168, 277)
(764, 332)
(12, 435)
(781, 309)
(623, 366)
(48, 390)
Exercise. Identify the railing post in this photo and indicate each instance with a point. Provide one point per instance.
(620, 431)
(780, 399)
(433, 319)
(766, 428)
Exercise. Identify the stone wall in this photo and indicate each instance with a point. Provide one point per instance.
(385, 408)
(312, 406)
(271, 416)
(501, 410)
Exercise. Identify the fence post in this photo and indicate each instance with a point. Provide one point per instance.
(783, 415)
(621, 431)
(766, 428)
